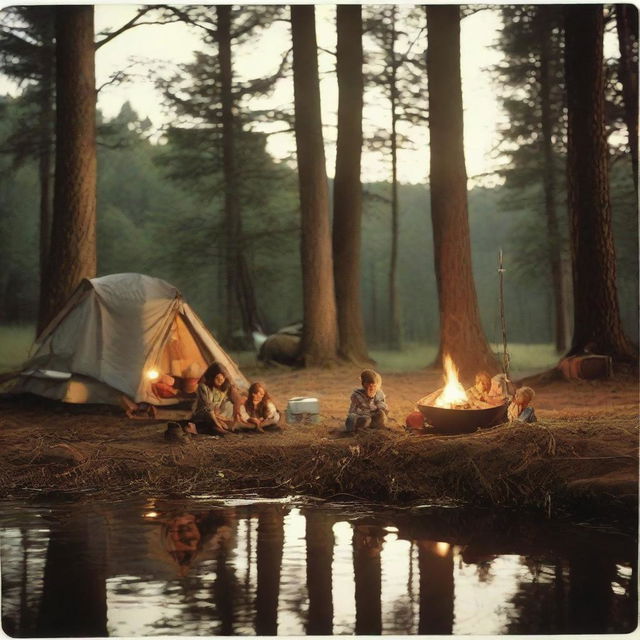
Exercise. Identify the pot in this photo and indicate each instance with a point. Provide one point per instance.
(454, 421)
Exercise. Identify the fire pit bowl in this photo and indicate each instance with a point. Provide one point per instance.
(453, 421)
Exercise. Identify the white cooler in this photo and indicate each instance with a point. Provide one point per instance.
(301, 410)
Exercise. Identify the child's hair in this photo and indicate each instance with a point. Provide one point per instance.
(525, 393)
(483, 376)
(212, 371)
(259, 410)
(369, 376)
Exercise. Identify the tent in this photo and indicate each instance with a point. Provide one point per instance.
(115, 333)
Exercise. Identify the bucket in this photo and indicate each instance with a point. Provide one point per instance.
(303, 410)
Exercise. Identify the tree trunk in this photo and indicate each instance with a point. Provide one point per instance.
(44, 170)
(597, 324)
(545, 14)
(73, 234)
(240, 292)
(395, 336)
(347, 188)
(319, 338)
(461, 334)
(232, 215)
(627, 26)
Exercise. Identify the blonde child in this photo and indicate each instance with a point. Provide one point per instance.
(480, 390)
(520, 409)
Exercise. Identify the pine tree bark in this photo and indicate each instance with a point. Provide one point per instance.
(597, 324)
(461, 333)
(395, 324)
(627, 27)
(231, 214)
(73, 234)
(545, 14)
(318, 346)
(240, 292)
(347, 186)
(44, 170)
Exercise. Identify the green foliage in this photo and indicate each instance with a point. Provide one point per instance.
(19, 237)
(15, 342)
(413, 357)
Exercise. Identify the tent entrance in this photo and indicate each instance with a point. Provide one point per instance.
(181, 356)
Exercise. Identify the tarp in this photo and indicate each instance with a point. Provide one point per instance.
(111, 333)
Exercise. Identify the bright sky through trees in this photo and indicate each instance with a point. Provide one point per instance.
(162, 47)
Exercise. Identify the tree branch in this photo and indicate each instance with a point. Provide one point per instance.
(129, 25)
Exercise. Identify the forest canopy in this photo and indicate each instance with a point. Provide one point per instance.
(162, 200)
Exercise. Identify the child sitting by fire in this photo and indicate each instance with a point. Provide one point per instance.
(258, 409)
(480, 391)
(520, 409)
(487, 391)
(368, 407)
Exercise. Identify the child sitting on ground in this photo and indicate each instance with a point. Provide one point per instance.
(368, 406)
(520, 409)
(480, 390)
(500, 391)
(258, 409)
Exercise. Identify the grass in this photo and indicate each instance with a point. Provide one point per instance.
(524, 357)
(15, 342)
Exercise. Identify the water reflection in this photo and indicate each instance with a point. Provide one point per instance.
(266, 568)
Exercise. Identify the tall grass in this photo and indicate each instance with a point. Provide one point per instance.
(15, 342)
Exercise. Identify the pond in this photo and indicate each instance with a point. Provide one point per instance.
(245, 566)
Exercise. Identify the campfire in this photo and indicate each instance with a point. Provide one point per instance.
(453, 395)
(450, 410)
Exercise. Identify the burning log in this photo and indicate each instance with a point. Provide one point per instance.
(450, 410)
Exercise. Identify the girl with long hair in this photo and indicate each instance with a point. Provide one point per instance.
(259, 409)
(217, 405)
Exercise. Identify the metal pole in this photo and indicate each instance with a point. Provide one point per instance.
(503, 324)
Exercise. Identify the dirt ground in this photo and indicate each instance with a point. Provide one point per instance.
(582, 455)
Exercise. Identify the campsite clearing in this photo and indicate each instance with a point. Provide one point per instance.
(581, 457)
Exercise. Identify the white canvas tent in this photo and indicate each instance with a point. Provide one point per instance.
(111, 334)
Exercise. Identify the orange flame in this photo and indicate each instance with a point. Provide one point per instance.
(453, 393)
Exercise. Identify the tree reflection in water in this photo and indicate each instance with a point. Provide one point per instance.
(189, 569)
(74, 595)
(319, 547)
(367, 545)
(269, 559)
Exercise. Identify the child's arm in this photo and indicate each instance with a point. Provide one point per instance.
(528, 415)
(381, 402)
(354, 406)
(272, 412)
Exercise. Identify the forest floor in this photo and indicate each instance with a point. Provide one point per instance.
(581, 456)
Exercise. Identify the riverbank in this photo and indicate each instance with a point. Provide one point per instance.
(581, 457)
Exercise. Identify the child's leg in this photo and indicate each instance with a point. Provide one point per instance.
(355, 422)
(379, 419)
(350, 423)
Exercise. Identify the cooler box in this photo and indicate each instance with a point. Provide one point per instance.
(300, 410)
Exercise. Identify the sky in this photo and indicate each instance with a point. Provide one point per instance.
(167, 46)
